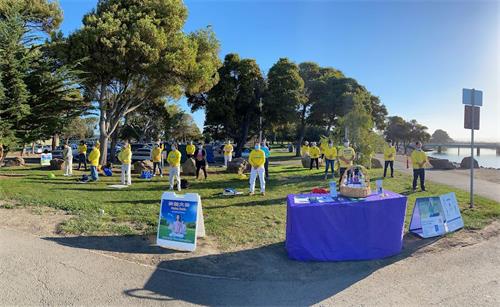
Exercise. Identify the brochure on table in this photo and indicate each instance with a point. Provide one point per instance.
(180, 221)
(45, 159)
(435, 216)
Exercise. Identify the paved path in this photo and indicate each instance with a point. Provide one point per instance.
(34, 271)
(458, 180)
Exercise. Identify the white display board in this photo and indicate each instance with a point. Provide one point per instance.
(435, 216)
(180, 221)
(45, 159)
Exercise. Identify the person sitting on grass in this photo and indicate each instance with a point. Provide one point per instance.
(330, 156)
(304, 150)
(174, 161)
(346, 157)
(257, 159)
(389, 156)
(82, 155)
(190, 149)
(94, 156)
(418, 160)
(125, 157)
(156, 157)
(314, 152)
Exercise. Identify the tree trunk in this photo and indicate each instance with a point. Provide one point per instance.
(103, 138)
(243, 137)
(302, 131)
(114, 140)
(55, 140)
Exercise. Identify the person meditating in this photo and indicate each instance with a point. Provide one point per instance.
(314, 153)
(346, 157)
(389, 156)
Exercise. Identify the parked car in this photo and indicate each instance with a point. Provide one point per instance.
(141, 152)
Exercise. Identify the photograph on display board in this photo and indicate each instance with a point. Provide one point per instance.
(430, 207)
(178, 221)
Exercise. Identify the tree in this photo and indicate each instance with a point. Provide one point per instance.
(232, 106)
(134, 51)
(80, 128)
(403, 132)
(441, 136)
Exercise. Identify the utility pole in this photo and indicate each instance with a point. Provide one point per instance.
(260, 121)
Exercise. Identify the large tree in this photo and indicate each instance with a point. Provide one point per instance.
(441, 136)
(232, 106)
(135, 51)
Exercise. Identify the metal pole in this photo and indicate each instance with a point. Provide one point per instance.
(472, 153)
(260, 121)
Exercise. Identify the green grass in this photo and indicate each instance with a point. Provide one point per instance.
(234, 221)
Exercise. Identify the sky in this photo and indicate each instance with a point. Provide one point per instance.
(415, 55)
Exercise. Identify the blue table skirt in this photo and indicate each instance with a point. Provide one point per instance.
(345, 229)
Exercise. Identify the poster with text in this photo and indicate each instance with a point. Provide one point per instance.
(452, 216)
(45, 159)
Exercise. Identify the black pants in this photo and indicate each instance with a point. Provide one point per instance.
(419, 173)
(313, 160)
(391, 164)
(82, 159)
(203, 166)
(157, 165)
(266, 167)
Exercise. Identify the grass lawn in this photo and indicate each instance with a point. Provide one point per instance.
(234, 221)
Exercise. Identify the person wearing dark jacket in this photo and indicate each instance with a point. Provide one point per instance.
(200, 157)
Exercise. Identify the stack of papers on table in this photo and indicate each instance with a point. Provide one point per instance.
(300, 200)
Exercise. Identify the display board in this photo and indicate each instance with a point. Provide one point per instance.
(45, 159)
(435, 216)
(180, 221)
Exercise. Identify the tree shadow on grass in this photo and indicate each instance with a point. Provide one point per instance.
(253, 202)
(260, 276)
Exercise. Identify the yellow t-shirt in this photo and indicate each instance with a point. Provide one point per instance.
(314, 152)
(389, 153)
(418, 157)
(330, 153)
(125, 156)
(348, 154)
(322, 147)
(190, 149)
(257, 158)
(156, 154)
(82, 149)
(174, 158)
(94, 156)
(304, 150)
(228, 149)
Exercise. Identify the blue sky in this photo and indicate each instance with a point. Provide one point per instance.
(415, 55)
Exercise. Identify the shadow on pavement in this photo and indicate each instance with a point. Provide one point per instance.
(260, 276)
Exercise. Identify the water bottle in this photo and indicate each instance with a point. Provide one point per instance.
(333, 189)
(380, 190)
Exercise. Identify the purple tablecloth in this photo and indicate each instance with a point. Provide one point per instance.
(345, 229)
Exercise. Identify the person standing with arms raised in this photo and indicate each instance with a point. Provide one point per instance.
(156, 157)
(174, 161)
(257, 160)
(389, 156)
(125, 157)
(418, 160)
(346, 157)
(228, 153)
(94, 156)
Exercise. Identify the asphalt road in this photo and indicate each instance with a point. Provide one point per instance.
(35, 271)
(483, 188)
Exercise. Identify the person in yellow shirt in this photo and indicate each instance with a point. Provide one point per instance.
(304, 150)
(190, 149)
(323, 144)
(82, 155)
(94, 156)
(418, 160)
(314, 153)
(389, 156)
(257, 159)
(156, 158)
(346, 157)
(125, 157)
(330, 153)
(228, 153)
(174, 161)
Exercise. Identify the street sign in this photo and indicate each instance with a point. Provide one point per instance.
(468, 117)
(472, 97)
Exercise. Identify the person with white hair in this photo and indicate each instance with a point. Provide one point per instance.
(304, 150)
(257, 159)
(68, 160)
